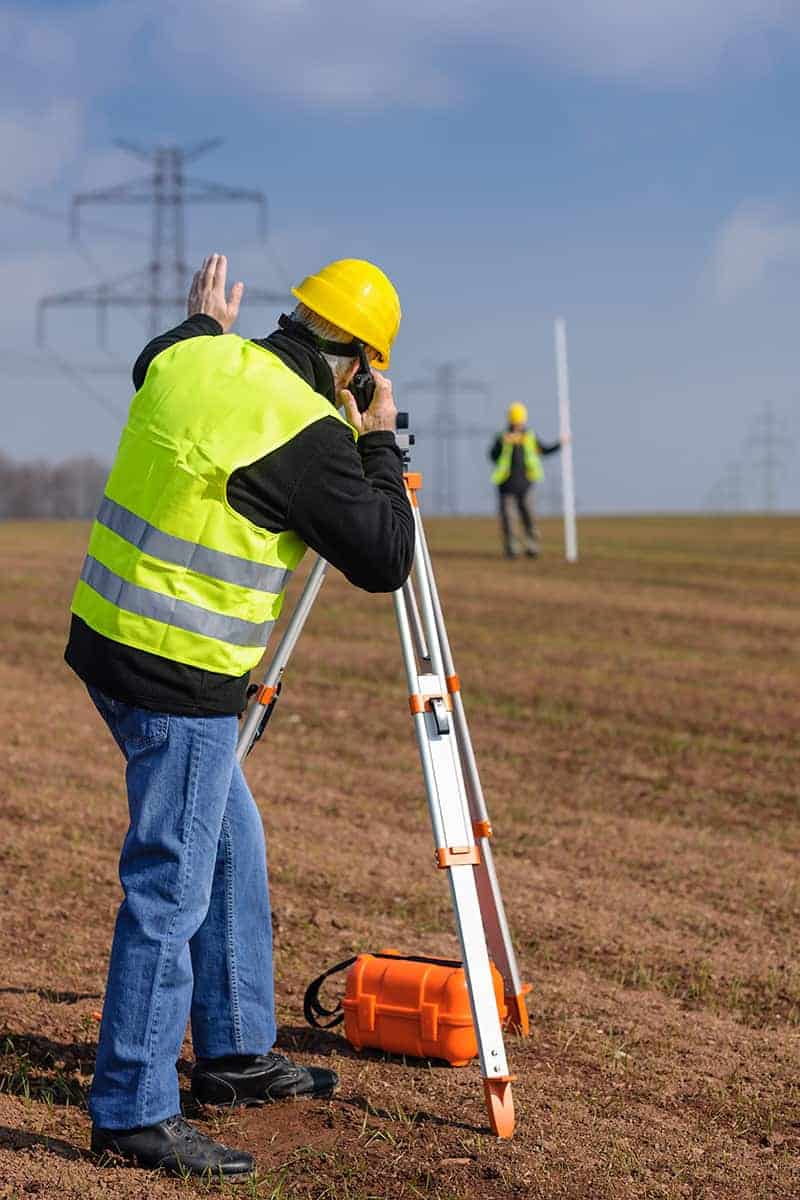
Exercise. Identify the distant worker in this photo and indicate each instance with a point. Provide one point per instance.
(518, 465)
(235, 457)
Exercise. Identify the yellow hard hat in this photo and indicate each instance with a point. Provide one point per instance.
(359, 298)
(517, 414)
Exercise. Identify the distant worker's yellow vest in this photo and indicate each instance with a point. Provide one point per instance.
(533, 463)
(171, 568)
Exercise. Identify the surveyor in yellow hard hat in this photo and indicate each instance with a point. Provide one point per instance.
(235, 458)
(516, 454)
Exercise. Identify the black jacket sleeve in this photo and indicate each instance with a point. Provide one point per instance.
(548, 447)
(345, 501)
(197, 326)
(496, 447)
(352, 508)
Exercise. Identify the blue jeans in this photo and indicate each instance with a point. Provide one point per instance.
(193, 936)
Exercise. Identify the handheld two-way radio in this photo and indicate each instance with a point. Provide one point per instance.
(362, 385)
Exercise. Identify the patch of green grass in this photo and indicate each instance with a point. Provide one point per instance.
(692, 982)
(754, 1108)
(272, 1185)
(756, 1000)
(21, 1076)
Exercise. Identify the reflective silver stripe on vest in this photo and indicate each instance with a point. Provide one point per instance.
(228, 568)
(180, 613)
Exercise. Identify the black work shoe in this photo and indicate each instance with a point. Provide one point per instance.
(172, 1145)
(257, 1079)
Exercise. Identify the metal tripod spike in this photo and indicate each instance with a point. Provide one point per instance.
(460, 822)
(266, 695)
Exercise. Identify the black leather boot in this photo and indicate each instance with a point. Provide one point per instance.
(172, 1145)
(258, 1079)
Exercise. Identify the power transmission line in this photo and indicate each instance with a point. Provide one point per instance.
(79, 380)
(771, 439)
(52, 214)
(765, 451)
(727, 493)
(164, 281)
(446, 429)
(35, 363)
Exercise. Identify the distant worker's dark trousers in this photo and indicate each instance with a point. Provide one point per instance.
(523, 502)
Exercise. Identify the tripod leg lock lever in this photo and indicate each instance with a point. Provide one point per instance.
(457, 856)
(267, 697)
(440, 715)
(440, 706)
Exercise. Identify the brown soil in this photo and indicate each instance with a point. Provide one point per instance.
(635, 718)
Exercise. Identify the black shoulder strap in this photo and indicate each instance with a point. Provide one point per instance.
(313, 1010)
(302, 333)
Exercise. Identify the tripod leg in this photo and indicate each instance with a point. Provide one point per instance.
(495, 922)
(416, 622)
(267, 692)
(456, 851)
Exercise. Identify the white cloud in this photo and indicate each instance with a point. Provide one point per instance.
(418, 54)
(68, 49)
(36, 144)
(35, 48)
(755, 239)
(662, 42)
(58, 63)
(322, 54)
(349, 54)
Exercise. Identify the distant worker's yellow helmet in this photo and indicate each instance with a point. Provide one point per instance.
(359, 298)
(517, 414)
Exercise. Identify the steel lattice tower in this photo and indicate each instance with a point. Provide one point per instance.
(163, 283)
(771, 440)
(446, 429)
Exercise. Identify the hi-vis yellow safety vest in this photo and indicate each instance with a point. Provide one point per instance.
(171, 568)
(530, 450)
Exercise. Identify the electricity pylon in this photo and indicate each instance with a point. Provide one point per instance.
(164, 282)
(446, 428)
(770, 437)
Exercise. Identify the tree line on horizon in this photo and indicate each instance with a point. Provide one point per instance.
(70, 489)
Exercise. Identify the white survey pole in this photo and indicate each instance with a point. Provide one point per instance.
(565, 433)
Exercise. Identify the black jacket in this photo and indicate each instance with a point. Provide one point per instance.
(346, 500)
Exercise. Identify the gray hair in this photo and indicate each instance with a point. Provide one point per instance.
(340, 365)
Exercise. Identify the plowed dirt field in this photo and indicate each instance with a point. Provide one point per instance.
(636, 723)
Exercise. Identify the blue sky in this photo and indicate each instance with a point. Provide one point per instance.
(631, 167)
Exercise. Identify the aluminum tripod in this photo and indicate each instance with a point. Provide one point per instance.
(459, 817)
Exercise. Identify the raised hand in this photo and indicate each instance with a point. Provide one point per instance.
(207, 293)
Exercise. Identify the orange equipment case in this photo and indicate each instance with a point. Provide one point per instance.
(415, 1006)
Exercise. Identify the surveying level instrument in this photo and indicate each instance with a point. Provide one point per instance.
(460, 820)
